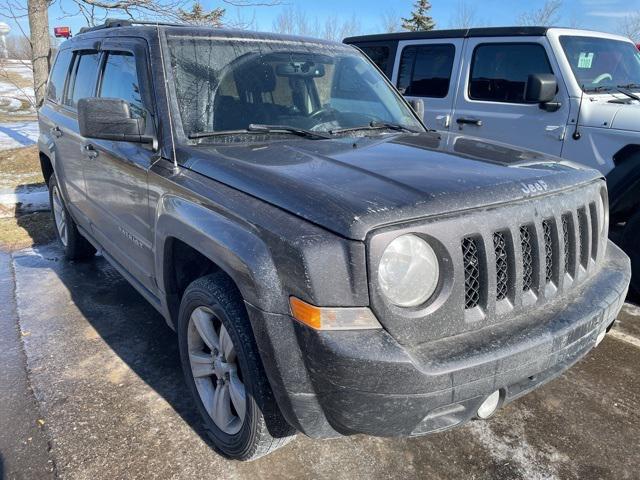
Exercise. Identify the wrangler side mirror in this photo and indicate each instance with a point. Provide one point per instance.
(542, 88)
(110, 119)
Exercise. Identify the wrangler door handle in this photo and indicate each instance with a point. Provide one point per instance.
(469, 121)
(89, 150)
(55, 131)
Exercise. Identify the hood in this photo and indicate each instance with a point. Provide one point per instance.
(614, 111)
(627, 118)
(352, 185)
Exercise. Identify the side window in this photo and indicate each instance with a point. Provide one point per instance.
(499, 71)
(425, 70)
(55, 88)
(120, 80)
(82, 83)
(379, 54)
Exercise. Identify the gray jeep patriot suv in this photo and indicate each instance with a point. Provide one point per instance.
(330, 265)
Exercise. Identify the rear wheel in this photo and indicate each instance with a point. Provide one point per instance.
(75, 246)
(224, 372)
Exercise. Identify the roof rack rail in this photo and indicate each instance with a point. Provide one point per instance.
(124, 22)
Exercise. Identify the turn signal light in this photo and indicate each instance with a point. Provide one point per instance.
(322, 318)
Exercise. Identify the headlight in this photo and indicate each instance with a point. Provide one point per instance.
(408, 273)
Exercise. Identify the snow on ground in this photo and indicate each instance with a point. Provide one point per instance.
(17, 105)
(18, 134)
(15, 82)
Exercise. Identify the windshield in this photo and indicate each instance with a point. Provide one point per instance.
(231, 85)
(601, 64)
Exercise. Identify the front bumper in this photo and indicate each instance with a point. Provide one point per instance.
(347, 382)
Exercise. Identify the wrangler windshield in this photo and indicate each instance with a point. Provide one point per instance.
(245, 84)
(601, 64)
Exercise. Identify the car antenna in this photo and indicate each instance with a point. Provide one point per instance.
(576, 133)
(166, 93)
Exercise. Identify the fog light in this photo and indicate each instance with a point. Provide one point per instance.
(490, 405)
(600, 337)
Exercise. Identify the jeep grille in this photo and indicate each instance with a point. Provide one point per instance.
(572, 234)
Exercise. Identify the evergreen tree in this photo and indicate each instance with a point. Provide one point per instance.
(199, 16)
(419, 20)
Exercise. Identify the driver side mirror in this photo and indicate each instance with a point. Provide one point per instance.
(542, 88)
(110, 119)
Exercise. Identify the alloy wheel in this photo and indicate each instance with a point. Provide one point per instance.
(215, 369)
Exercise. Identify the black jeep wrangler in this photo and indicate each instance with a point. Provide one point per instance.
(330, 265)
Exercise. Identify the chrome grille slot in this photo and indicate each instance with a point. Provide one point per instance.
(568, 243)
(583, 237)
(471, 261)
(547, 231)
(527, 257)
(595, 228)
(502, 265)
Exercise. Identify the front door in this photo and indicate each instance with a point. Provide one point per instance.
(491, 101)
(116, 172)
(428, 69)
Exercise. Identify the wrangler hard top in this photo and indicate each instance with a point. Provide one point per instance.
(330, 265)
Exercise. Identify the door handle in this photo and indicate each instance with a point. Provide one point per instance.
(55, 131)
(89, 150)
(469, 121)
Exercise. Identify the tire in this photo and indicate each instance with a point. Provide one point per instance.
(212, 314)
(75, 246)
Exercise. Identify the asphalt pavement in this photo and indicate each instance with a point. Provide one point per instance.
(91, 388)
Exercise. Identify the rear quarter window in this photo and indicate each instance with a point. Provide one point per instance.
(425, 70)
(379, 54)
(55, 88)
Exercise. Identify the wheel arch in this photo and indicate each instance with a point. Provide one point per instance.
(209, 241)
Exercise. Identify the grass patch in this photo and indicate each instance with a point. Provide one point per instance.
(15, 78)
(26, 231)
(19, 166)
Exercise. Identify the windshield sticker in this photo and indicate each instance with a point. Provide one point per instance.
(585, 60)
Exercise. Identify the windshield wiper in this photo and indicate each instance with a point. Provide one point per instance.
(624, 89)
(629, 86)
(601, 88)
(373, 126)
(257, 128)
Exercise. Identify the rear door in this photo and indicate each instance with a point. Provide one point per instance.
(428, 69)
(491, 103)
(74, 71)
(116, 172)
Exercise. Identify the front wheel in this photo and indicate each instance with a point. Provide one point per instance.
(224, 372)
(75, 246)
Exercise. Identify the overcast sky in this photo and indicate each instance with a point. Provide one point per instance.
(591, 14)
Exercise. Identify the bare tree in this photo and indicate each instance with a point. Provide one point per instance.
(549, 14)
(292, 21)
(390, 22)
(630, 27)
(464, 16)
(19, 47)
(40, 46)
